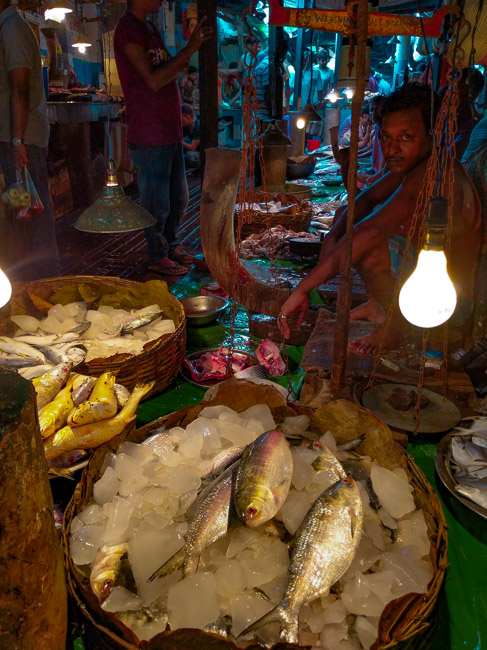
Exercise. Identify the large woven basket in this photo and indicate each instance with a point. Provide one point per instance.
(294, 219)
(406, 623)
(160, 360)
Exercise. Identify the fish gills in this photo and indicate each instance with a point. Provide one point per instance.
(263, 478)
(324, 547)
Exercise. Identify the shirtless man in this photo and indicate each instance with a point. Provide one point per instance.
(384, 211)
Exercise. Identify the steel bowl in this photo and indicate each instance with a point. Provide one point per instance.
(299, 170)
(202, 310)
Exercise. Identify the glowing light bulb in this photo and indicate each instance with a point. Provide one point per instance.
(300, 123)
(82, 49)
(5, 289)
(428, 297)
(57, 13)
(349, 93)
(333, 97)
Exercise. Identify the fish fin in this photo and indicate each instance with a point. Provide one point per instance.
(62, 473)
(174, 562)
(354, 523)
(190, 565)
(270, 617)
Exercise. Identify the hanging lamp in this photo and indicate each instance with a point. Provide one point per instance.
(428, 297)
(114, 212)
(307, 114)
(81, 43)
(5, 289)
(273, 136)
(57, 10)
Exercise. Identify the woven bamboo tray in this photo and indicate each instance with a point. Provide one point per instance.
(405, 624)
(260, 221)
(160, 360)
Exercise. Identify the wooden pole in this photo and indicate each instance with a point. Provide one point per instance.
(208, 73)
(33, 601)
(275, 79)
(344, 299)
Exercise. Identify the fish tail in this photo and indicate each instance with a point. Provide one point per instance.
(289, 627)
(174, 562)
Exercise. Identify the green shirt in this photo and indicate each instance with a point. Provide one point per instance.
(19, 49)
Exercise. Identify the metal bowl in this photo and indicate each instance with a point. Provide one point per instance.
(298, 170)
(201, 310)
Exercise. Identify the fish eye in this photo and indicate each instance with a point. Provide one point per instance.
(251, 511)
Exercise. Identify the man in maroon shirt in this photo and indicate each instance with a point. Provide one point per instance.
(148, 75)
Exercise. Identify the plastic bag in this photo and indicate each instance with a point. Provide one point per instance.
(23, 197)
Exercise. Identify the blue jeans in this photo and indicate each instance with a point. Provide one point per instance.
(163, 192)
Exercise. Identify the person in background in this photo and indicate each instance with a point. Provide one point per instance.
(372, 84)
(378, 163)
(231, 85)
(188, 83)
(249, 58)
(365, 129)
(470, 86)
(325, 72)
(148, 75)
(191, 137)
(311, 83)
(24, 136)
(383, 86)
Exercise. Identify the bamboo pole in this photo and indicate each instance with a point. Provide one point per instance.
(344, 299)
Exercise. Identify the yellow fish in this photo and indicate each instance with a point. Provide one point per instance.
(101, 405)
(54, 415)
(96, 433)
(49, 385)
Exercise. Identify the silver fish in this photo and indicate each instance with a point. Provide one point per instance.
(14, 362)
(122, 394)
(132, 323)
(222, 626)
(213, 514)
(322, 551)
(35, 371)
(83, 391)
(473, 492)
(11, 346)
(263, 478)
(222, 460)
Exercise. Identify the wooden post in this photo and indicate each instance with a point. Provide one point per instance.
(344, 299)
(275, 79)
(208, 72)
(33, 603)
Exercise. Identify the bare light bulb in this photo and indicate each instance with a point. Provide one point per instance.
(300, 123)
(5, 289)
(349, 93)
(428, 297)
(333, 97)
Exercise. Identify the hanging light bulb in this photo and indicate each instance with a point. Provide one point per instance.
(57, 10)
(5, 289)
(428, 297)
(307, 114)
(349, 93)
(113, 211)
(81, 43)
(300, 123)
(333, 97)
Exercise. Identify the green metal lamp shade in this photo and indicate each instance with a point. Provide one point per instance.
(113, 211)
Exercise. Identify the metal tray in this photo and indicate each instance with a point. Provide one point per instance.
(186, 375)
(440, 414)
(443, 469)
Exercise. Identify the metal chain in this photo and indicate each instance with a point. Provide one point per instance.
(417, 406)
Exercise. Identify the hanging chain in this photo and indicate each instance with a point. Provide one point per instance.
(417, 406)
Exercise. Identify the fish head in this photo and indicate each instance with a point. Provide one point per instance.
(102, 588)
(255, 505)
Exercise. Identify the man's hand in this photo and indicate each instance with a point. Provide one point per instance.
(297, 302)
(199, 35)
(21, 159)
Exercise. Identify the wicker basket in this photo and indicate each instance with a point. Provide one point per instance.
(405, 624)
(294, 219)
(160, 360)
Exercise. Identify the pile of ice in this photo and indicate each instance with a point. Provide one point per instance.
(142, 499)
(102, 336)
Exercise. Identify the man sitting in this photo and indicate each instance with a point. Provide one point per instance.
(383, 218)
(364, 129)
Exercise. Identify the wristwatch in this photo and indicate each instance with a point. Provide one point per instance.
(17, 142)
